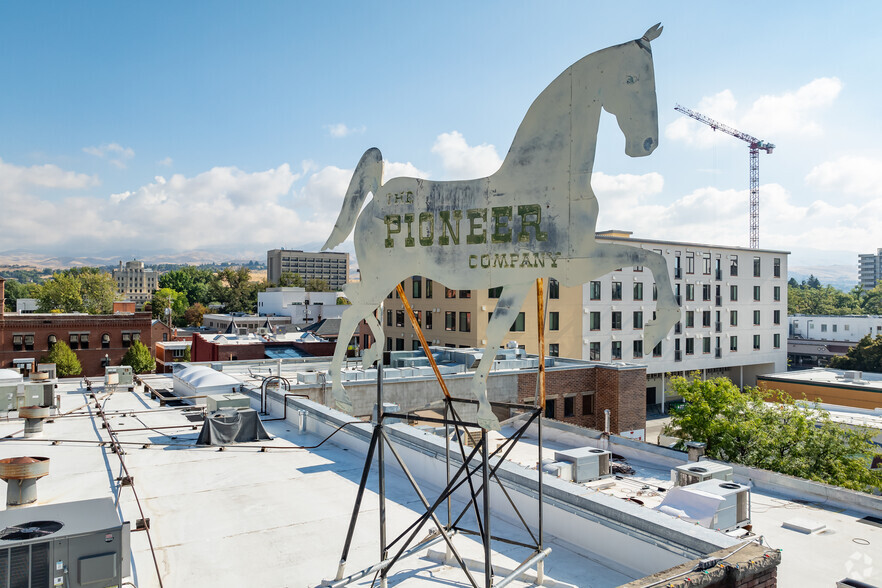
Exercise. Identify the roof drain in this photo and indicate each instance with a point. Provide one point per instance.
(21, 475)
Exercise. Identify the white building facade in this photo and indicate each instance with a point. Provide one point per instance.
(850, 327)
(870, 269)
(303, 307)
(733, 313)
(136, 283)
(330, 266)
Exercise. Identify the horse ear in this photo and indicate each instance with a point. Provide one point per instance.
(653, 32)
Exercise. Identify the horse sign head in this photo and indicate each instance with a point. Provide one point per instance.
(533, 218)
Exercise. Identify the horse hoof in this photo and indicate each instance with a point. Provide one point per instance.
(344, 406)
(487, 420)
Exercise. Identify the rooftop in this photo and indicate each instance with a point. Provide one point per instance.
(830, 376)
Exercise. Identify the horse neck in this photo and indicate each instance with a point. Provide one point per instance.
(559, 131)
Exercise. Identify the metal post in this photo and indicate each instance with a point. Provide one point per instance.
(485, 470)
(540, 315)
(381, 463)
(540, 566)
(449, 554)
(375, 438)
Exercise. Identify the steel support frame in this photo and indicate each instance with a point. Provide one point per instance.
(473, 472)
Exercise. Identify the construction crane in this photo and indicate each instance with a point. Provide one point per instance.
(755, 146)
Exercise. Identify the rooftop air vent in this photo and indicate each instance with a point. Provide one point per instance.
(21, 475)
(30, 530)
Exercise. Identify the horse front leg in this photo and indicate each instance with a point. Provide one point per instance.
(348, 323)
(504, 315)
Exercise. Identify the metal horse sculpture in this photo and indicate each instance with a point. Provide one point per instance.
(534, 218)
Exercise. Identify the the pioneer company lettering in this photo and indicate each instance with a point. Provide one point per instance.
(504, 226)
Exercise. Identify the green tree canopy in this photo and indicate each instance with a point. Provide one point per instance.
(15, 290)
(287, 279)
(193, 315)
(797, 439)
(190, 281)
(167, 298)
(87, 290)
(811, 297)
(139, 357)
(66, 362)
(317, 285)
(233, 288)
(865, 356)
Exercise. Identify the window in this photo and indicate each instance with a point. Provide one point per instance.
(823, 328)
(553, 349)
(617, 350)
(399, 318)
(690, 319)
(428, 288)
(465, 293)
(733, 343)
(105, 340)
(616, 290)
(690, 263)
(594, 290)
(17, 342)
(594, 321)
(756, 341)
(706, 318)
(705, 345)
(756, 317)
(549, 408)
(418, 315)
(553, 289)
(733, 318)
(690, 292)
(706, 292)
(465, 322)
(638, 290)
(417, 289)
(75, 340)
(570, 406)
(776, 340)
(733, 266)
(519, 324)
(638, 319)
(399, 344)
(414, 345)
(657, 350)
(707, 264)
(776, 267)
(429, 319)
(690, 346)
(777, 293)
(594, 351)
(733, 292)
(616, 320)
(637, 352)
(588, 404)
(776, 318)
(756, 266)
(553, 321)
(449, 321)
(494, 292)
(52, 341)
(448, 293)
(388, 318)
(756, 293)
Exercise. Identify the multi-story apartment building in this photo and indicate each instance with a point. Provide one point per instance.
(329, 266)
(733, 315)
(870, 269)
(135, 282)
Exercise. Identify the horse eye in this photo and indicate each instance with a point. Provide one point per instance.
(630, 80)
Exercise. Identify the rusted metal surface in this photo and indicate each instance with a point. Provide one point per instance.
(533, 218)
(540, 313)
(419, 332)
(23, 468)
(33, 412)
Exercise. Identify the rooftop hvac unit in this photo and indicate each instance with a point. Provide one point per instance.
(853, 375)
(712, 504)
(589, 463)
(214, 402)
(76, 544)
(125, 376)
(693, 473)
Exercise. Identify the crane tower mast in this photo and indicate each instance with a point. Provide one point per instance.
(755, 146)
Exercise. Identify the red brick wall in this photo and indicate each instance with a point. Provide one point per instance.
(44, 325)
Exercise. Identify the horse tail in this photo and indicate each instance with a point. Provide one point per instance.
(367, 177)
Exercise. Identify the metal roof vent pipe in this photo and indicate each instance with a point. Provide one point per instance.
(21, 475)
(696, 450)
(33, 417)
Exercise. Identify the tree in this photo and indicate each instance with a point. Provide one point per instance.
(317, 285)
(65, 360)
(193, 315)
(16, 290)
(165, 298)
(865, 356)
(342, 300)
(288, 279)
(87, 290)
(190, 281)
(138, 356)
(233, 288)
(785, 436)
(187, 355)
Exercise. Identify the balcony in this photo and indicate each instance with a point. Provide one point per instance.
(678, 355)
(718, 327)
(718, 353)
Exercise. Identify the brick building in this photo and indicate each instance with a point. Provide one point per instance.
(96, 339)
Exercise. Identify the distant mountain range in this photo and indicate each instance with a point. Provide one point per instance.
(843, 277)
(41, 261)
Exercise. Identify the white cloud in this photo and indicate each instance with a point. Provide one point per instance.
(113, 152)
(857, 175)
(340, 130)
(16, 179)
(167, 162)
(462, 161)
(770, 116)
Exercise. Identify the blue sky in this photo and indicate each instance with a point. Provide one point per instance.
(232, 127)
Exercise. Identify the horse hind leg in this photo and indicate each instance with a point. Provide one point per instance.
(375, 352)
